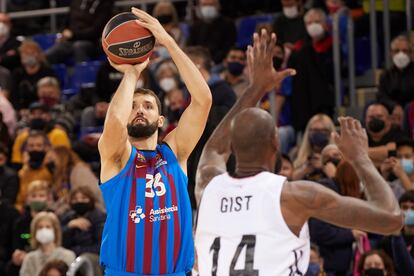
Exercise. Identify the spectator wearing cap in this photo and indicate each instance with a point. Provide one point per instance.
(9, 182)
(40, 120)
(9, 56)
(234, 65)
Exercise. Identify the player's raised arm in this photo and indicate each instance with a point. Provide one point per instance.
(263, 78)
(379, 214)
(184, 138)
(113, 145)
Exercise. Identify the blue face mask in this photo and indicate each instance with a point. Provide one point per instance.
(313, 269)
(409, 217)
(408, 165)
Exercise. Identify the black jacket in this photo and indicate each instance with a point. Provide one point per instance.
(9, 185)
(8, 215)
(9, 53)
(289, 29)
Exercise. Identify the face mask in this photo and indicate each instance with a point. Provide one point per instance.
(313, 269)
(373, 272)
(38, 124)
(208, 12)
(401, 60)
(37, 206)
(49, 101)
(319, 139)
(45, 235)
(334, 161)
(315, 30)
(82, 207)
(167, 84)
(36, 159)
(409, 218)
(277, 62)
(290, 12)
(408, 165)
(235, 68)
(376, 125)
(29, 61)
(165, 18)
(4, 30)
(140, 84)
(142, 131)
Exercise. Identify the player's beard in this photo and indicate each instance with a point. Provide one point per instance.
(142, 131)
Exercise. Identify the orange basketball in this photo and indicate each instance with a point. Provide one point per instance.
(124, 41)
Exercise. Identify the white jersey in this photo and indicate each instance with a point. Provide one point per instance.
(241, 230)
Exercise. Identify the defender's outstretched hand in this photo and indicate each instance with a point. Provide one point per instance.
(152, 24)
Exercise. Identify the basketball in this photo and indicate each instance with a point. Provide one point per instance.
(124, 41)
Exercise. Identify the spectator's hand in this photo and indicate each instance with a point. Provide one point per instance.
(353, 141)
(80, 223)
(358, 234)
(260, 65)
(67, 34)
(329, 169)
(18, 257)
(100, 109)
(315, 161)
(151, 23)
(397, 169)
(125, 68)
(386, 167)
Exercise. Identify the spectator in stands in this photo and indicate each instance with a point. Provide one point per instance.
(315, 138)
(9, 182)
(331, 157)
(54, 268)
(312, 91)
(316, 263)
(8, 114)
(381, 135)
(34, 67)
(5, 80)
(213, 31)
(34, 168)
(8, 215)
(39, 198)
(287, 167)
(234, 67)
(80, 37)
(289, 26)
(399, 169)
(82, 225)
(167, 15)
(40, 120)
(397, 83)
(9, 56)
(69, 172)
(375, 262)
(46, 242)
(397, 117)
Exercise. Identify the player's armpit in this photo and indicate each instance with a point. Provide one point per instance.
(322, 203)
(205, 173)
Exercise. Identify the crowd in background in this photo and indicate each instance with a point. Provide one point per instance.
(51, 209)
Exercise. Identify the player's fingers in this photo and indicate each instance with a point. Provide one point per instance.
(335, 137)
(264, 39)
(286, 73)
(142, 65)
(342, 125)
(272, 43)
(249, 56)
(256, 43)
(141, 14)
(143, 24)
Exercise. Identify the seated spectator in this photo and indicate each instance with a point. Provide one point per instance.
(5, 80)
(397, 83)
(234, 67)
(8, 215)
(34, 167)
(315, 138)
(9, 56)
(40, 120)
(212, 30)
(312, 87)
(54, 268)
(8, 114)
(316, 263)
(375, 262)
(82, 225)
(9, 182)
(287, 167)
(331, 157)
(46, 242)
(397, 117)
(80, 37)
(166, 14)
(24, 78)
(69, 172)
(39, 198)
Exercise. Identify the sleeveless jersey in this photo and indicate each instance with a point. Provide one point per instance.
(241, 230)
(148, 229)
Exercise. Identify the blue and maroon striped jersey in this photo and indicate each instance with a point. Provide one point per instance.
(148, 229)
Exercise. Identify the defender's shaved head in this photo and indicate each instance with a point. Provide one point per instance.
(253, 134)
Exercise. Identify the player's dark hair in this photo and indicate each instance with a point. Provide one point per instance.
(407, 196)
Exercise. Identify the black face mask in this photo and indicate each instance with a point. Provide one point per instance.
(376, 125)
(81, 208)
(142, 131)
(373, 272)
(334, 161)
(38, 124)
(36, 159)
(165, 18)
(318, 139)
(277, 63)
(235, 68)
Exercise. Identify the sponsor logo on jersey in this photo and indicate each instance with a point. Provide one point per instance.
(137, 215)
(161, 214)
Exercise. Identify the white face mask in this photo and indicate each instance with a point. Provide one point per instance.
(401, 60)
(315, 30)
(208, 12)
(167, 84)
(4, 30)
(291, 12)
(45, 235)
(140, 84)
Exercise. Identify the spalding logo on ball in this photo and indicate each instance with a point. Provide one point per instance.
(124, 41)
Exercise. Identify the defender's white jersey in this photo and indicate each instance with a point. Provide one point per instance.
(241, 230)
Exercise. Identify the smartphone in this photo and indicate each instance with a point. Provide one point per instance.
(392, 153)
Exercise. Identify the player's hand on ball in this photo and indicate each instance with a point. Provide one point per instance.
(152, 24)
(125, 68)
